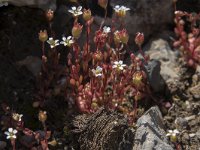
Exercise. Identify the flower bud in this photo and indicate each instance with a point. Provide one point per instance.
(72, 82)
(42, 116)
(103, 3)
(76, 30)
(137, 79)
(43, 36)
(98, 56)
(87, 15)
(44, 58)
(117, 39)
(49, 14)
(124, 36)
(139, 39)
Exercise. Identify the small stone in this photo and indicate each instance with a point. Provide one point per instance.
(198, 134)
(181, 122)
(186, 137)
(153, 72)
(190, 118)
(192, 135)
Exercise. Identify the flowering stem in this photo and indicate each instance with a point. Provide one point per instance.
(13, 144)
(106, 11)
(87, 44)
(142, 53)
(174, 6)
(43, 49)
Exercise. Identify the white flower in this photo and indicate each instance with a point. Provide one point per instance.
(106, 29)
(172, 133)
(11, 133)
(17, 117)
(119, 65)
(76, 11)
(97, 72)
(118, 8)
(53, 43)
(67, 41)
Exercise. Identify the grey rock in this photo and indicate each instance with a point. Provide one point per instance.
(153, 73)
(150, 133)
(160, 50)
(181, 122)
(198, 134)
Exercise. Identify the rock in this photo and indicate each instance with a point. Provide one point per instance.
(103, 130)
(44, 4)
(185, 137)
(32, 63)
(150, 133)
(161, 51)
(154, 77)
(192, 135)
(2, 145)
(181, 122)
(198, 134)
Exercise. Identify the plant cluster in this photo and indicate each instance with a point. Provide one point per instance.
(188, 33)
(98, 75)
(14, 123)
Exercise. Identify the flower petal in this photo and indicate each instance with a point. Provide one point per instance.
(79, 8)
(69, 37)
(73, 8)
(15, 131)
(114, 66)
(71, 11)
(176, 131)
(116, 62)
(10, 130)
(7, 133)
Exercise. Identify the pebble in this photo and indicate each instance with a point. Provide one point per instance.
(181, 122)
(190, 118)
(192, 135)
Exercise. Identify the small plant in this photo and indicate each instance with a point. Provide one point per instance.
(172, 134)
(188, 33)
(14, 123)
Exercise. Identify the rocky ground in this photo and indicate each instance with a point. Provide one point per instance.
(176, 87)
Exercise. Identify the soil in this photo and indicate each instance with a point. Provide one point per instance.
(19, 27)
